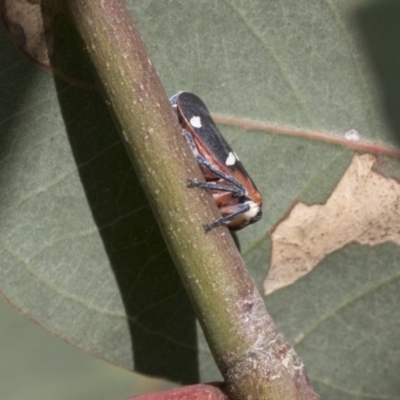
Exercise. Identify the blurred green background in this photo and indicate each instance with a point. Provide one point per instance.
(35, 365)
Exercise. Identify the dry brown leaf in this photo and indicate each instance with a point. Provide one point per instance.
(30, 26)
(364, 208)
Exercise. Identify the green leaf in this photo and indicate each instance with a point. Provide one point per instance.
(43, 367)
(81, 251)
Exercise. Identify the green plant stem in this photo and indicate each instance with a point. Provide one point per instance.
(252, 355)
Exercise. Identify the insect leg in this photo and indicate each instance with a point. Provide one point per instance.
(240, 191)
(214, 186)
(242, 208)
(201, 160)
(191, 142)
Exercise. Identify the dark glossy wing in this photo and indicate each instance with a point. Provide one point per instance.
(197, 116)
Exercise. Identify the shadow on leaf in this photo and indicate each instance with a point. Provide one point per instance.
(161, 319)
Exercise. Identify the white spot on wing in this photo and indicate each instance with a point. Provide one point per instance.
(230, 160)
(195, 122)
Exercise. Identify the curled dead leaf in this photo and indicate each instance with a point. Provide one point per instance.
(30, 26)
